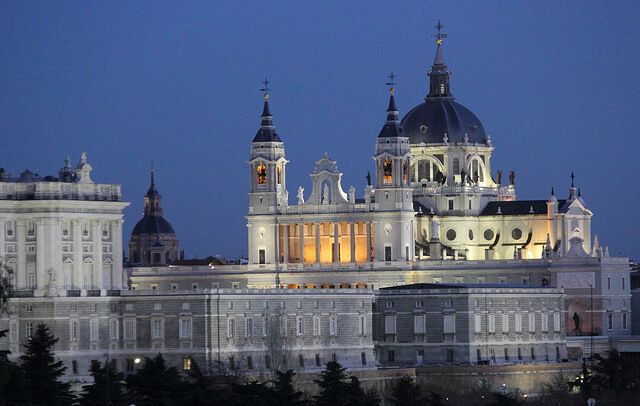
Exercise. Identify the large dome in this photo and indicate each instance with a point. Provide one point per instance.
(431, 120)
(152, 224)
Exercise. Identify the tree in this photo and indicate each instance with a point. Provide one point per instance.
(156, 384)
(42, 372)
(337, 389)
(504, 399)
(405, 392)
(584, 382)
(107, 388)
(613, 372)
(12, 386)
(283, 391)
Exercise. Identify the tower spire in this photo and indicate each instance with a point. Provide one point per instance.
(439, 73)
(267, 131)
(392, 126)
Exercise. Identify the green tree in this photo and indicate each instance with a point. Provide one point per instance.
(338, 389)
(584, 382)
(613, 373)
(107, 387)
(504, 399)
(156, 384)
(12, 386)
(42, 372)
(283, 392)
(405, 392)
(333, 386)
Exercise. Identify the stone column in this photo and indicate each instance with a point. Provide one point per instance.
(2, 234)
(301, 247)
(336, 242)
(317, 228)
(96, 234)
(285, 241)
(21, 268)
(352, 241)
(276, 250)
(42, 279)
(78, 279)
(369, 241)
(117, 278)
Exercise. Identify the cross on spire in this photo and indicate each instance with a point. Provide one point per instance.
(440, 35)
(572, 178)
(265, 89)
(391, 82)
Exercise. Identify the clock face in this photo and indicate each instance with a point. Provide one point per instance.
(516, 234)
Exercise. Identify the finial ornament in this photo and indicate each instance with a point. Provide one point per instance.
(440, 35)
(265, 89)
(392, 82)
(572, 178)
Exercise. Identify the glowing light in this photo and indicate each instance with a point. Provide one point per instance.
(137, 361)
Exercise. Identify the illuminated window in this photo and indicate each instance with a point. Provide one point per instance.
(387, 171)
(405, 170)
(186, 363)
(261, 171)
(279, 175)
(441, 88)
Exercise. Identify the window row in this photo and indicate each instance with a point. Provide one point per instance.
(279, 325)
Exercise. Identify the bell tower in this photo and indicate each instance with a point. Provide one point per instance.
(268, 194)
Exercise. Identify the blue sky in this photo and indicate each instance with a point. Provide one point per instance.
(556, 85)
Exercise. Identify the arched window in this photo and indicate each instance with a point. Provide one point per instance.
(456, 166)
(387, 171)
(428, 168)
(261, 171)
(279, 175)
(405, 170)
(476, 169)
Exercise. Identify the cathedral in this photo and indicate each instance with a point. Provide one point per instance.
(435, 262)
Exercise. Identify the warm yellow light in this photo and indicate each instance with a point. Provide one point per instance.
(137, 360)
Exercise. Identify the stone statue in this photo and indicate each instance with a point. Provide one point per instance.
(463, 176)
(512, 178)
(300, 195)
(367, 195)
(352, 195)
(576, 321)
(499, 176)
(52, 282)
(326, 199)
(368, 178)
(476, 177)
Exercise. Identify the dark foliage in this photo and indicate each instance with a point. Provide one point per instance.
(156, 384)
(42, 372)
(107, 388)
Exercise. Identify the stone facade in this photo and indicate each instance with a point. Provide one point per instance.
(462, 324)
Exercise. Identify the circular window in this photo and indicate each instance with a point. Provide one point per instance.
(423, 128)
(451, 234)
(516, 234)
(488, 234)
(470, 234)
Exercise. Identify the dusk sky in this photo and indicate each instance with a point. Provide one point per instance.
(556, 85)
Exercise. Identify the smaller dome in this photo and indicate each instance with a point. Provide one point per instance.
(151, 224)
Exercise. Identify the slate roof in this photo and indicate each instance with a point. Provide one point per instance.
(152, 224)
(518, 207)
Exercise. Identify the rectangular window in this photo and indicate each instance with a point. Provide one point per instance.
(130, 329)
(318, 362)
(477, 323)
(333, 325)
(299, 326)
(301, 360)
(362, 325)
(608, 282)
(114, 332)
(129, 364)
(363, 358)
(623, 287)
(389, 324)
(492, 323)
(609, 321)
(532, 322)
(248, 327)
(186, 363)
(249, 362)
(525, 280)
(418, 324)
(545, 322)
(157, 329)
(449, 355)
(231, 328)
(449, 324)
(28, 330)
(556, 321)
(74, 367)
(505, 322)
(387, 253)
(265, 326)
(391, 356)
(73, 336)
(93, 329)
(624, 320)
(13, 331)
(316, 325)
(185, 327)
(450, 204)
(518, 323)
(283, 326)
(261, 257)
